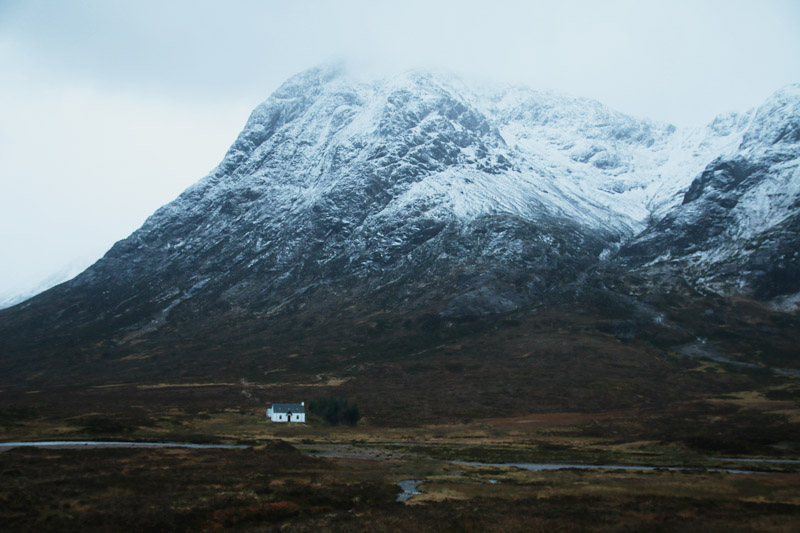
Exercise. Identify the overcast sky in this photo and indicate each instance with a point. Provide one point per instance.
(109, 109)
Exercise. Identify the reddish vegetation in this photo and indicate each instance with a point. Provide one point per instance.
(268, 512)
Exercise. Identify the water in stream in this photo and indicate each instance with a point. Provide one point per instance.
(539, 467)
(409, 487)
(116, 444)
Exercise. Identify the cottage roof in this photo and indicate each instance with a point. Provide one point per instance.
(286, 407)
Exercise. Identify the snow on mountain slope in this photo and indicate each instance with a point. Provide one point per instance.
(636, 168)
(331, 179)
(738, 228)
(541, 153)
(418, 191)
(352, 123)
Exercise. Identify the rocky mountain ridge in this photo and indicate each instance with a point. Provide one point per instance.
(736, 230)
(423, 195)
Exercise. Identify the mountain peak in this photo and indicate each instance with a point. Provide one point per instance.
(777, 120)
(310, 79)
(422, 194)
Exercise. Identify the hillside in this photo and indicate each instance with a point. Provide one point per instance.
(481, 244)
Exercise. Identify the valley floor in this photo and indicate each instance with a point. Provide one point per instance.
(275, 487)
(312, 477)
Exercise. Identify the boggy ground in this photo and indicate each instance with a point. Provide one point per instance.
(273, 487)
(277, 485)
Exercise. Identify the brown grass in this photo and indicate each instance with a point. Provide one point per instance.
(274, 487)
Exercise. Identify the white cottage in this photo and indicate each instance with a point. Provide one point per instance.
(287, 412)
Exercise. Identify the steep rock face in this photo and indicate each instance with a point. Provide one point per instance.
(399, 193)
(418, 193)
(737, 227)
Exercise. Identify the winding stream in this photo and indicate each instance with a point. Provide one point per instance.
(408, 486)
(346, 451)
(539, 467)
(115, 444)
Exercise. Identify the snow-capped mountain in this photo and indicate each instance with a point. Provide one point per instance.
(426, 193)
(737, 229)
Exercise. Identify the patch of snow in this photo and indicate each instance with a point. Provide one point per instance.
(786, 304)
